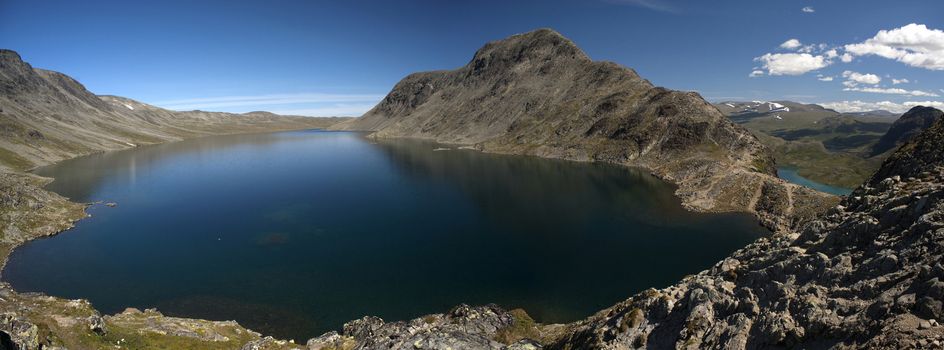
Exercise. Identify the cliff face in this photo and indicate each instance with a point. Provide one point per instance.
(47, 116)
(539, 94)
(907, 126)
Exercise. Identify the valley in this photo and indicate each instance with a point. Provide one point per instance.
(832, 148)
(595, 209)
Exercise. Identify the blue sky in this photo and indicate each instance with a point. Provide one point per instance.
(341, 57)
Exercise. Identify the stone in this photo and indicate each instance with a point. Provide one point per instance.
(96, 324)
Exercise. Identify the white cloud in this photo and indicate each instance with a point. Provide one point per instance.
(861, 106)
(899, 81)
(791, 44)
(832, 53)
(265, 100)
(845, 58)
(914, 44)
(792, 63)
(822, 78)
(808, 9)
(755, 73)
(891, 91)
(861, 78)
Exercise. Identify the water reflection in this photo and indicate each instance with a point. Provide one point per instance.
(294, 233)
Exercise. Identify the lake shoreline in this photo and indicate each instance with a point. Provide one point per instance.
(70, 221)
(59, 214)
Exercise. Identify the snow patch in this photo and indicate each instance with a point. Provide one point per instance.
(729, 105)
(129, 106)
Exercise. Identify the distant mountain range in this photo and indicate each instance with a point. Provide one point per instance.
(840, 149)
(47, 116)
(740, 111)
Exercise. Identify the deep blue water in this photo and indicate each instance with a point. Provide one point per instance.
(294, 233)
(791, 175)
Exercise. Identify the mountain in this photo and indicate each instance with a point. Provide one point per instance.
(911, 123)
(742, 112)
(865, 275)
(538, 94)
(47, 116)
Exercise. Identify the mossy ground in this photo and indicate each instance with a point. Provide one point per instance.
(523, 327)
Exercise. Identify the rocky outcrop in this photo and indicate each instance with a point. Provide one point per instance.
(538, 94)
(27, 211)
(464, 327)
(910, 124)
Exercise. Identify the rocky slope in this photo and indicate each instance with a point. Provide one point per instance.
(911, 123)
(538, 94)
(47, 116)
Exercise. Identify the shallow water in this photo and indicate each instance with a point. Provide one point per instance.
(294, 233)
(791, 175)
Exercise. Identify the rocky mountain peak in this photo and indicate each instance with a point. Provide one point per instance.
(9, 56)
(538, 46)
(12, 65)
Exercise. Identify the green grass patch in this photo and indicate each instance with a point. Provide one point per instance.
(13, 160)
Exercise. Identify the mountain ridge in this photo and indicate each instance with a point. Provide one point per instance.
(48, 116)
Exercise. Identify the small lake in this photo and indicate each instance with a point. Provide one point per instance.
(792, 176)
(294, 233)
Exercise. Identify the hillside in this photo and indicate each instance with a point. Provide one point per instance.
(538, 94)
(47, 116)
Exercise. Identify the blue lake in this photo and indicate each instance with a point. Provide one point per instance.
(294, 233)
(791, 175)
